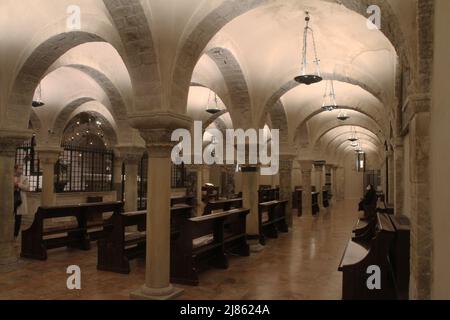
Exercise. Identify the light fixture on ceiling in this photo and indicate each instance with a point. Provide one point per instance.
(307, 77)
(38, 102)
(343, 116)
(329, 97)
(353, 136)
(215, 108)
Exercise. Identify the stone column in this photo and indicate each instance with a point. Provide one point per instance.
(117, 183)
(421, 224)
(286, 163)
(48, 156)
(250, 186)
(318, 167)
(9, 141)
(390, 177)
(156, 129)
(132, 156)
(398, 176)
(306, 166)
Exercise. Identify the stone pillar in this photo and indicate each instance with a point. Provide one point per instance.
(156, 129)
(48, 156)
(398, 176)
(306, 166)
(132, 156)
(9, 141)
(421, 226)
(250, 186)
(390, 177)
(117, 183)
(318, 167)
(286, 163)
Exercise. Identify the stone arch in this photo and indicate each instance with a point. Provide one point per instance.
(335, 125)
(76, 107)
(117, 102)
(35, 67)
(198, 39)
(142, 62)
(240, 103)
(279, 121)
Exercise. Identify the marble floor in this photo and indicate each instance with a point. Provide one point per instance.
(300, 265)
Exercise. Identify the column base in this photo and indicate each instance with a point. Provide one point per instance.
(9, 255)
(146, 293)
(255, 245)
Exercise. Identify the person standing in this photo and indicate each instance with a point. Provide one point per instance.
(21, 186)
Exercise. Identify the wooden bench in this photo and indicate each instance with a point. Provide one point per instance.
(326, 199)
(358, 257)
(204, 241)
(118, 246)
(399, 255)
(276, 222)
(266, 194)
(189, 200)
(222, 205)
(37, 239)
(315, 203)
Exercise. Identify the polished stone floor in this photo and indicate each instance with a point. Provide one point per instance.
(301, 265)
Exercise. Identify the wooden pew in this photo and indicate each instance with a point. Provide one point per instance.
(189, 200)
(315, 203)
(37, 239)
(276, 222)
(399, 255)
(268, 194)
(118, 247)
(204, 241)
(222, 205)
(358, 257)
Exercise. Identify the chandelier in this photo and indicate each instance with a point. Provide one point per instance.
(329, 97)
(353, 136)
(215, 108)
(38, 102)
(307, 77)
(343, 116)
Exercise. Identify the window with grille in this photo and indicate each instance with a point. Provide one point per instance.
(82, 169)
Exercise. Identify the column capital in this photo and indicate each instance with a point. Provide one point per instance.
(156, 129)
(129, 153)
(49, 154)
(11, 139)
(318, 165)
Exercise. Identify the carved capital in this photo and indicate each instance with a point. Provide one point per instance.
(49, 154)
(10, 140)
(130, 154)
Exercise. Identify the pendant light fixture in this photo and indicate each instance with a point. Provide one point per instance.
(38, 102)
(343, 116)
(353, 136)
(329, 97)
(215, 108)
(307, 77)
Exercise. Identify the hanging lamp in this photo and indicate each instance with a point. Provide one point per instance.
(343, 116)
(307, 77)
(214, 109)
(353, 136)
(38, 102)
(329, 97)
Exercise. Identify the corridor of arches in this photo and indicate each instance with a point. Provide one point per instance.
(91, 92)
